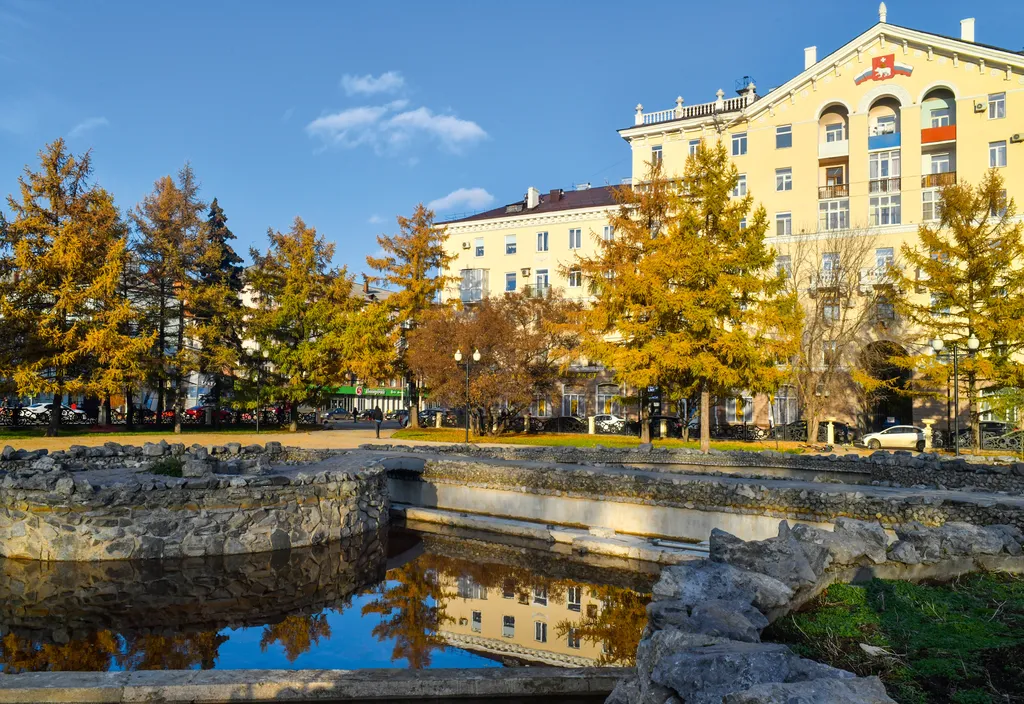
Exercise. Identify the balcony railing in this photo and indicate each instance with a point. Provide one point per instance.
(687, 112)
(472, 295)
(884, 185)
(839, 190)
(946, 178)
(829, 150)
(537, 290)
(931, 135)
(884, 141)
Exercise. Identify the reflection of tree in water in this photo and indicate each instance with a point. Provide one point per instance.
(93, 653)
(296, 634)
(617, 625)
(411, 603)
(178, 652)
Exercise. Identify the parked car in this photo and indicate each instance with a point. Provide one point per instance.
(898, 437)
(198, 413)
(41, 412)
(337, 413)
(427, 415)
(609, 423)
(842, 433)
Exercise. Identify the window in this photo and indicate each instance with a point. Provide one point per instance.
(940, 163)
(882, 165)
(743, 223)
(998, 209)
(575, 238)
(884, 309)
(540, 596)
(542, 279)
(739, 409)
(510, 281)
(656, 155)
(575, 277)
(540, 408)
(884, 210)
(477, 621)
(473, 285)
(478, 246)
(884, 258)
(739, 144)
(835, 176)
(574, 599)
(510, 244)
(468, 588)
(783, 224)
(830, 263)
(885, 124)
(508, 626)
(931, 205)
(997, 106)
(829, 353)
(693, 146)
(834, 214)
(784, 265)
(830, 310)
(508, 590)
(574, 405)
(996, 154)
(542, 241)
(786, 406)
(835, 132)
(609, 233)
(740, 189)
(784, 179)
(540, 631)
(784, 137)
(940, 117)
(574, 639)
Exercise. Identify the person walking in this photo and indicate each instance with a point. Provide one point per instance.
(355, 414)
(378, 418)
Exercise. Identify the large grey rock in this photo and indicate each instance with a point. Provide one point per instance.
(700, 580)
(735, 619)
(196, 468)
(959, 539)
(705, 675)
(924, 540)
(1013, 537)
(654, 649)
(151, 449)
(795, 563)
(862, 690)
(905, 552)
(850, 543)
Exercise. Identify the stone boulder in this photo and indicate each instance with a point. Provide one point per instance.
(700, 580)
(795, 563)
(924, 540)
(1013, 538)
(959, 539)
(850, 543)
(652, 650)
(196, 468)
(152, 449)
(705, 675)
(718, 618)
(862, 690)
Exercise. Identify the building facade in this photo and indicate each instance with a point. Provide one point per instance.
(858, 144)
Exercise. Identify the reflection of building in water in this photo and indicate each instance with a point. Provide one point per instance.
(534, 623)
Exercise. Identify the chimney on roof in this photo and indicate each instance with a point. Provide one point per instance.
(555, 195)
(967, 29)
(532, 197)
(810, 56)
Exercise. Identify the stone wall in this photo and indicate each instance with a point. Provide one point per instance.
(804, 501)
(702, 643)
(898, 468)
(107, 504)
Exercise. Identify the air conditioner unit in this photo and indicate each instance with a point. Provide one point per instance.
(1017, 138)
(979, 107)
(466, 245)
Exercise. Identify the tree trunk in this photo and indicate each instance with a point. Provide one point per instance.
(106, 410)
(161, 402)
(812, 428)
(645, 419)
(705, 420)
(55, 413)
(216, 402)
(129, 408)
(414, 403)
(293, 425)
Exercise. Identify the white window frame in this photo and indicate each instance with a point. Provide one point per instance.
(835, 132)
(739, 144)
(941, 117)
(936, 161)
(834, 214)
(542, 278)
(885, 257)
(476, 621)
(540, 631)
(575, 238)
(784, 264)
(996, 106)
(886, 161)
(510, 277)
(692, 147)
(784, 179)
(575, 277)
(885, 209)
(997, 154)
(786, 132)
(508, 626)
(884, 124)
(736, 404)
(609, 233)
(656, 155)
(542, 241)
(931, 205)
(478, 247)
(510, 244)
(574, 598)
(540, 596)
(784, 224)
(740, 190)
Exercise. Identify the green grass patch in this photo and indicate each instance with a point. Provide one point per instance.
(960, 642)
(166, 467)
(454, 435)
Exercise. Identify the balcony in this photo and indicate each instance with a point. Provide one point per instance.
(839, 190)
(830, 150)
(947, 178)
(931, 135)
(884, 185)
(537, 291)
(884, 141)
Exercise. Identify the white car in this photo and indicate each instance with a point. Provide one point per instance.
(609, 422)
(898, 437)
(42, 410)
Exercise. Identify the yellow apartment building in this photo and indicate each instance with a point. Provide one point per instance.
(858, 143)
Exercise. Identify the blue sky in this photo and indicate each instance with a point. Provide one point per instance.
(349, 113)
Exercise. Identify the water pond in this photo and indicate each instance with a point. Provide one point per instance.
(397, 600)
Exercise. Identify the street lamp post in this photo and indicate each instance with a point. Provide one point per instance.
(972, 345)
(458, 360)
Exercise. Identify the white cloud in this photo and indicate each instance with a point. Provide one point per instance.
(287, 114)
(389, 82)
(87, 125)
(468, 198)
(388, 128)
(375, 220)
